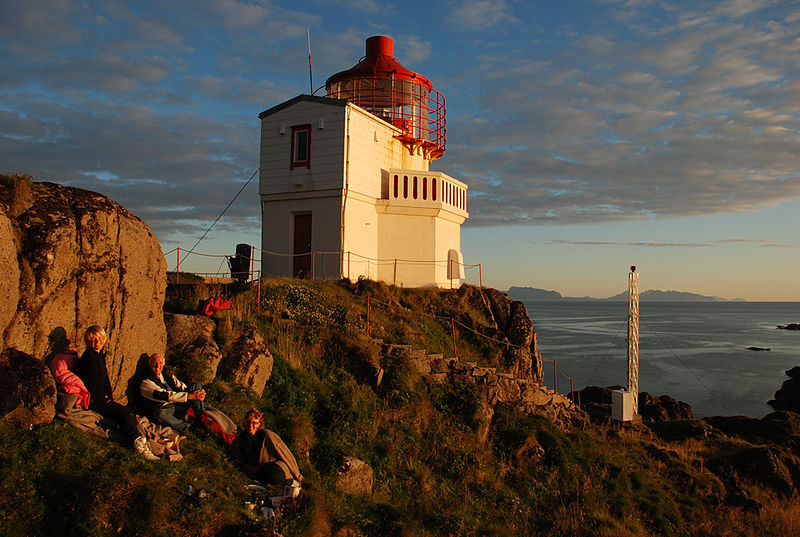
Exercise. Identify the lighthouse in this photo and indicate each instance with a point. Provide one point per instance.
(345, 183)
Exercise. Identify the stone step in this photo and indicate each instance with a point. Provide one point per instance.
(418, 354)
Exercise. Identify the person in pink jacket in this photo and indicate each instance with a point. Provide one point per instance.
(68, 382)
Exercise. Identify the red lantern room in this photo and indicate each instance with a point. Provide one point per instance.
(407, 100)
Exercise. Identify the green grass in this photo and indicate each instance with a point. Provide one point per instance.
(434, 474)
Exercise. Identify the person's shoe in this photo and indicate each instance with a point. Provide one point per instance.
(293, 490)
(141, 447)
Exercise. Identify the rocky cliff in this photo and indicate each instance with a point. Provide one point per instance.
(70, 258)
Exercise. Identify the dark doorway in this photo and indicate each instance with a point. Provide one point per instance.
(302, 246)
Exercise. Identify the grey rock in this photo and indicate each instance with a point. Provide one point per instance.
(73, 258)
(191, 338)
(27, 389)
(249, 362)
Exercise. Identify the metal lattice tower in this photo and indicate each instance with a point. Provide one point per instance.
(633, 337)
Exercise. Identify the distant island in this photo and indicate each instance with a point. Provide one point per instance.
(532, 294)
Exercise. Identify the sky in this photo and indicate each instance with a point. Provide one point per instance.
(593, 135)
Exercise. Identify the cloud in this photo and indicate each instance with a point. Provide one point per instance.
(633, 110)
(416, 49)
(656, 244)
(481, 14)
(640, 244)
(697, 122)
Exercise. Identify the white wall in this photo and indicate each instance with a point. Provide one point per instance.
(327, 149)
(351, 158)
(277, 234)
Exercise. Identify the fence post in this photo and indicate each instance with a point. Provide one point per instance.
(367, 316)
(480, 275)
(348, 264)
(395, 271)
(555, 376)
(259, 290)
(313, 263)
(571, 390)
(252, 261)
(178, 267)
(323, 266)
(453, 326)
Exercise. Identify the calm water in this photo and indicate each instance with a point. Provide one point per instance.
(694, 352)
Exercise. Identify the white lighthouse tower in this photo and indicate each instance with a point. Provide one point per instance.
(345, 185)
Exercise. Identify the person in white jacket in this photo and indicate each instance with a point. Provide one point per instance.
(167, 399)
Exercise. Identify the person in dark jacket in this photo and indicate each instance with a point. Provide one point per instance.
(91, 368)
(264, 456)
(167, 399)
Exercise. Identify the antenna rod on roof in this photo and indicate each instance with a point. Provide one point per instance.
(310, 77)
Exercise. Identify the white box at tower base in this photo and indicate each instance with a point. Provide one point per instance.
(622, 405)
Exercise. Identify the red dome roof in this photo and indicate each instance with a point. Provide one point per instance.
(379, 61)
(389, 91)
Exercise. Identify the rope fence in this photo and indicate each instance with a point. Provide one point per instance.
(455, 326)
(317, 269)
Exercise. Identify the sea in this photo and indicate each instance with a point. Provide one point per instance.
(695, 352)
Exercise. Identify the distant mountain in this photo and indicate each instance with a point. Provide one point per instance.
(532, 294)
(654, 295)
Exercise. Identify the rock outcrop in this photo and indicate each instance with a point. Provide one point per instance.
(781, 426)
(502, 388)
(190, 340)
(788, 396)
(511, 326)
(70, 258)
(27, 389)
(249, 362)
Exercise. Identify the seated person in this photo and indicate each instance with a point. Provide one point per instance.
(264, 456)
(167, 399)
(91, 368)
(61, 366)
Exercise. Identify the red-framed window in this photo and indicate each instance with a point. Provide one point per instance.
(301, 146)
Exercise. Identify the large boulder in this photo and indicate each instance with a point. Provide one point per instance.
(27, 389)
(71, 258)
(249, 362)
(191, 346)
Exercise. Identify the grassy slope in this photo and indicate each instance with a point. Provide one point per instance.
(433, 473)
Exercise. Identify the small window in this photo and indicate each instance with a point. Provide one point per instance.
(424, 188)
(433, 189)
(301, 146)
(415, 187)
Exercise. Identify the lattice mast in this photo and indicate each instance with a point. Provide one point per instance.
(633, 337)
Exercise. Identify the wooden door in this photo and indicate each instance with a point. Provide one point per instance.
(302, 246)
